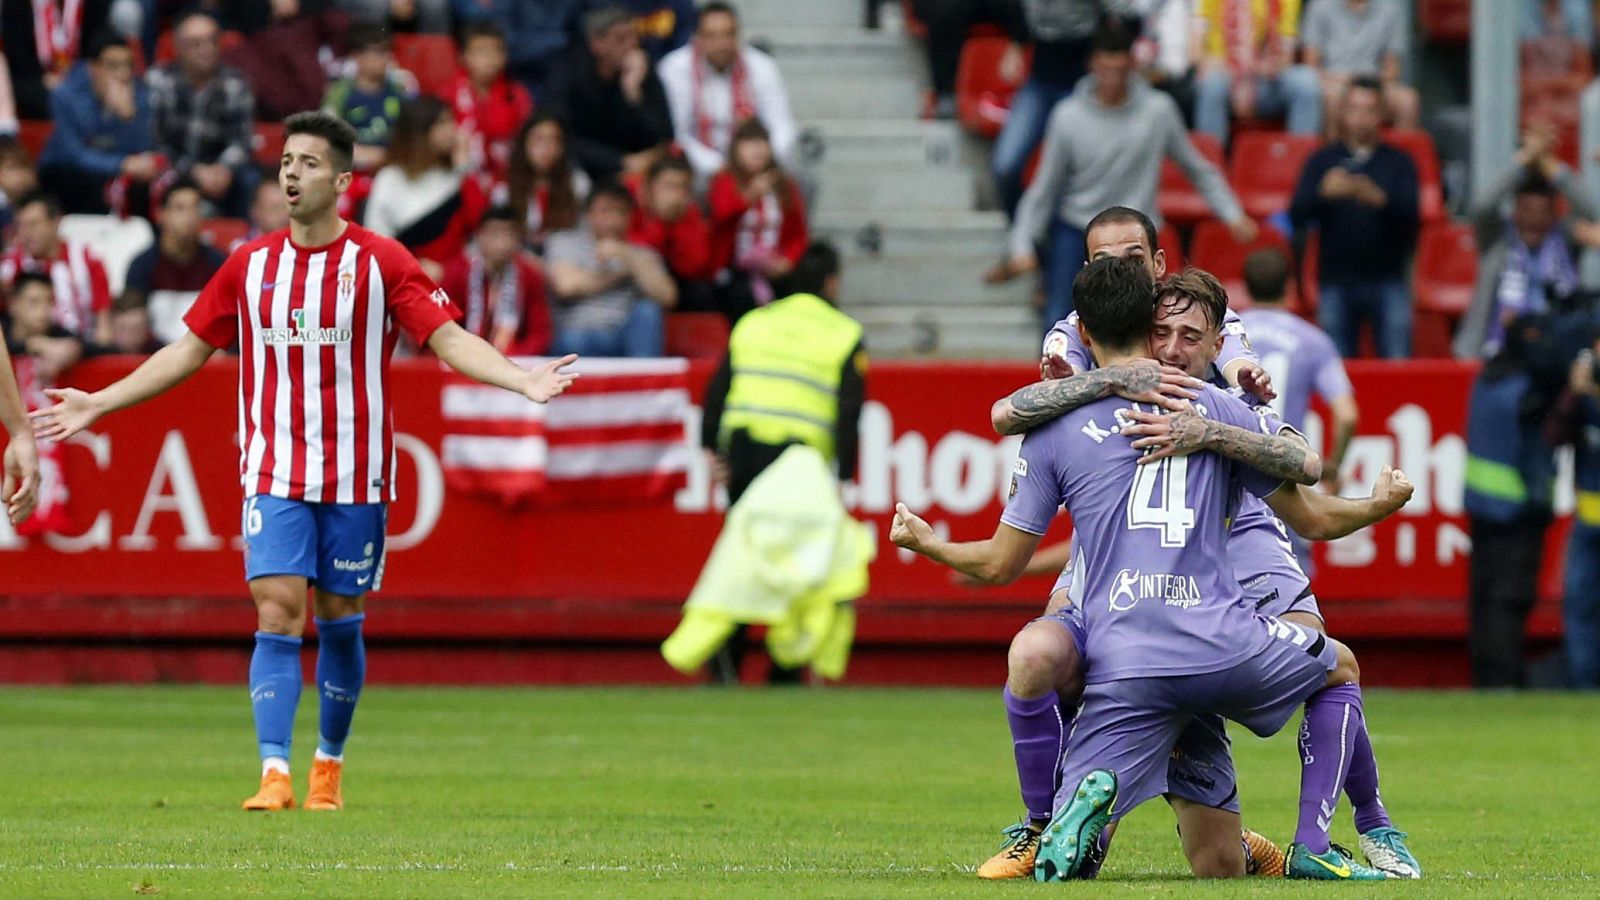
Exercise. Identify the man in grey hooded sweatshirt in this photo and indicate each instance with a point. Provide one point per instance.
(1103, 147)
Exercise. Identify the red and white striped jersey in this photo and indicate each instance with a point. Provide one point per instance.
(316, 330)
(81, 289)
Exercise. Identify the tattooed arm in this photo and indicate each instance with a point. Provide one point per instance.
(1146, 382)
(1285, 456)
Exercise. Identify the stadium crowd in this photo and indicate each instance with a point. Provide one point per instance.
(569, 170)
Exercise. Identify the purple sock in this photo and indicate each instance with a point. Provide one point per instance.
(1037, 735)
(1327, 740)
(1361, 785)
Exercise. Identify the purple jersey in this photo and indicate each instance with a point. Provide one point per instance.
(1301, 359)
(1158, 594)
(1062, 342)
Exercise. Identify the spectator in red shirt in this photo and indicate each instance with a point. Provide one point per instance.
(501, 288)
(426, 197)
(544, 188)
(667, 220)
(82, 293)
(758, 220)
(489, 105)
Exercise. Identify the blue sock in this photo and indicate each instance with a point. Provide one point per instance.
(275, 691)
(341, 669)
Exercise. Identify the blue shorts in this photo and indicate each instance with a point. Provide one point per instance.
(336, 546)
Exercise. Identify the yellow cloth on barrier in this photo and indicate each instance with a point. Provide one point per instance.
(789, 557)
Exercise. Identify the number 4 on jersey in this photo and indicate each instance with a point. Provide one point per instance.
(1169, 511)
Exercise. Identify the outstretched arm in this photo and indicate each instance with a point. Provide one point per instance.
(76, 410)
(1317, 516)
(20, 489)
(477, 359)
(998, 560)
(1143, 382)
(1285, 456)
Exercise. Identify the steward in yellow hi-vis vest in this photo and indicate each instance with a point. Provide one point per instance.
(795, 374)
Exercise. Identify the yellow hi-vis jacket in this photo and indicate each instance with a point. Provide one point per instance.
(787, 359)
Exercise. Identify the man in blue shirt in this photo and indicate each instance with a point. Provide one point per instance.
(102, 132)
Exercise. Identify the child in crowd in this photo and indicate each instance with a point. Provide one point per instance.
(489, 105)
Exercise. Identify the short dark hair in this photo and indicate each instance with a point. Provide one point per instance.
(366, 35)
(483, 28)
(810, 274)
(715, 7)
(104, 40)
(613, 190)
(1194, 286)
(1532, 181)
(1118, 215)
(52, 204)
(337, 132)
(1364, 83)
(1116, 301)
(129, 301)
(24, 279)
(1111, 36)
(13, 151)
(668, 163)
(501, 212)
(1266, 275)
(185, 183)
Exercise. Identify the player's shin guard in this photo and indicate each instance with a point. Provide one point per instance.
(341, 670)
(275, 691)
(1037, 737)
(1361, 785)
(1327, 742)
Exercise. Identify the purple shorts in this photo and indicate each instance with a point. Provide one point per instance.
(1269, 572)
(1132, 726)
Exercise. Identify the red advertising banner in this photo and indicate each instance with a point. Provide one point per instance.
(155, 498)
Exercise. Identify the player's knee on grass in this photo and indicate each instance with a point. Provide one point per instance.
(1043, 659)
(1305, 620)
(280, 604)
(1210, 838)
(338, 606)
(1346, 670)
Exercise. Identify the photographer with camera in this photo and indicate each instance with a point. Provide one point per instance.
(1575, 420)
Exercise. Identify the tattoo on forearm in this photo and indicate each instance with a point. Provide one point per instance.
(1036, 404)
(1275, 455)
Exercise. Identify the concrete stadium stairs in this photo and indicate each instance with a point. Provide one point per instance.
(899, 196)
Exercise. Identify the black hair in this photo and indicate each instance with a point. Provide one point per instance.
(1364, 83)
(1266, 275)
(52, 203)
(366, 35)
(719, 6)
(810, 274)
(104, 40)
(613, 190)
(1534, 181)
(1112, 36)
(1116, 301)
(668, 163)
(482, 28)
(337, 132)
(1117, 215)
(501, 212)
(185, 183)
(24, 279)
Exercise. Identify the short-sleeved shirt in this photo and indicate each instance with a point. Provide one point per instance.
(1300, 358)
(605, 311)
(316, 327)
(1063, 341)
(371, 114)
(1159, 593)
(1353, 42)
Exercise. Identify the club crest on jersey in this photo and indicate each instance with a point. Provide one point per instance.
(346, 290)
(299, 333)
(1132, 585)
(439, 297)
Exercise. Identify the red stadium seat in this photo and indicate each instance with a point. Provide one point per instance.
(1419, 145)
(697, 335)
(1446, 269)
(1178, 200)
(983, 98)
(1445, 21)
(34, 134)
(167, 51)
(268, 144)
(1215, 250)
(431, 58)
(221, 232)
(1168, 240)
(1266, 166)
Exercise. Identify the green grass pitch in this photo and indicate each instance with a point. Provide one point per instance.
(700, 793)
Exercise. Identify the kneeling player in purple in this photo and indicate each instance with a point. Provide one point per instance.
(1114, 516)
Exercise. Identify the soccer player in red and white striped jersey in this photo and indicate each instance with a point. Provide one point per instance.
(316, 310)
